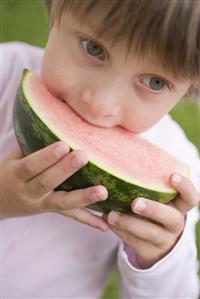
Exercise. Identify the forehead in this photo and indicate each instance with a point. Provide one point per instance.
(148, 28)
(131, 61)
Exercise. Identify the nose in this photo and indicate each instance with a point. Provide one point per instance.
(104, 100)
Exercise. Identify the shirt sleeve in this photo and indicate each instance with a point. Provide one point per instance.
(15, 56)
(175, 275)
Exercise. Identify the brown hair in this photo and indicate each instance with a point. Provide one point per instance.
(167, 29)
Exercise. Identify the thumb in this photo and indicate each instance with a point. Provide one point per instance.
(188, 196)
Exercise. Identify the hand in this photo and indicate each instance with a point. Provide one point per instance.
(28, 183)
(155, 228)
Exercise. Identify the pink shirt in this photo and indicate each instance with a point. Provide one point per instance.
(51, 256)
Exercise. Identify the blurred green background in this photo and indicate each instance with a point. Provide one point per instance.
(26, 20)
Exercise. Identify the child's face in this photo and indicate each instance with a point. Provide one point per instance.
(105, 86)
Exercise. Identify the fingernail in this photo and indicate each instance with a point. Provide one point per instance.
(95, 196)
(113, 217)
(101, 194)
(176, 179)
(79, 161)
(140, 205)
(62, 149)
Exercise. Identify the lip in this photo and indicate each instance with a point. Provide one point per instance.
(91, 122)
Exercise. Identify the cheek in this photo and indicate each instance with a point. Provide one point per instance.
(58, 81)
(141, 118)
(138, 125)
(50, 74)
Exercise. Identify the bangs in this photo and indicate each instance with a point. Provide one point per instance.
(166, 31)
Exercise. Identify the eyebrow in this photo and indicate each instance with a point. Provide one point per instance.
(161, 73)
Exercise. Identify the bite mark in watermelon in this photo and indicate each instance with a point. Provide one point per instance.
(128, 165)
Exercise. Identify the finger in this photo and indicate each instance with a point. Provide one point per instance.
(140, 248)
(37, 162)
(86, 217)
(69, 204)
(60, 201)
(189, 197)
(140, 252)
(56, 174)
(128, 238)
(138, 227)
(166, 215)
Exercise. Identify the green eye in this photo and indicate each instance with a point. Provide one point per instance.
(154, 83)
(93, 48)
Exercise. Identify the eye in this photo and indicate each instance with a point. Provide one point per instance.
(155, 83)
(93, 48)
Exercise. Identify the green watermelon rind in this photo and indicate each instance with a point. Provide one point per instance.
(32, 134)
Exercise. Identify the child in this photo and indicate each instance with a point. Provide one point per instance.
(116, 63)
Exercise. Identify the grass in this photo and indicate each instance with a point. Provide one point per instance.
(23, 20)
(26, 21)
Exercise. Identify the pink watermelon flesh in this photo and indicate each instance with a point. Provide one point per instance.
(115, 150)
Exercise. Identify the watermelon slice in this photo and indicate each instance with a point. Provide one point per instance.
(128, 165)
